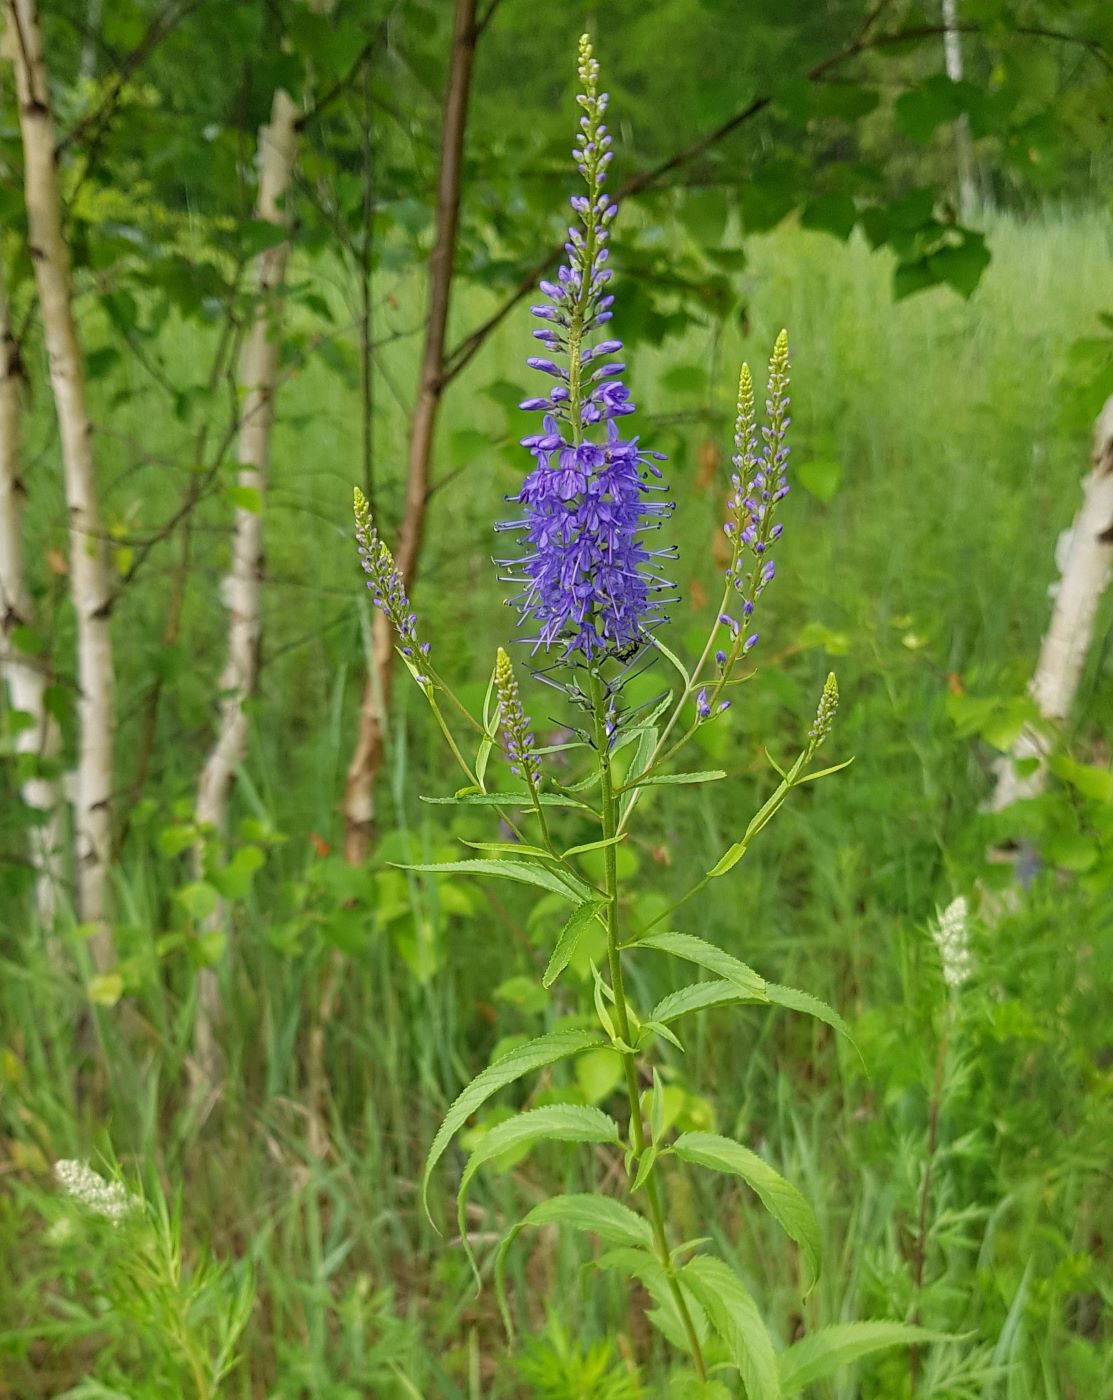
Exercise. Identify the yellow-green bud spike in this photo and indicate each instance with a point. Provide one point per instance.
(745, 423)
(825, 714)
(517, 736)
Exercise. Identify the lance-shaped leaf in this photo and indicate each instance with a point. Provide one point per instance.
(523, 871)
(704, 954)
(735, 1317)
(699, 997)
(674, 779)
(822, 1353)
(614, 1223)
(779, 1197)
(731, 857)
(522, 1060)
(558, 1122)
(578, 922)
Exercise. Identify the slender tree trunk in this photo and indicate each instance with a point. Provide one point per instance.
(359, 796)
(242, 587)
(90, 572)
(964, 158)
(1086, 563)
(25, 675)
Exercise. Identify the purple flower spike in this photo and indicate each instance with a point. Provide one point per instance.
(589, 584)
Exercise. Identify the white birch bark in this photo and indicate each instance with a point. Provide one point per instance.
(952, 58)
(242, 587)
(25, 675)
(90, 573)
(1086, 562)
(257, 374)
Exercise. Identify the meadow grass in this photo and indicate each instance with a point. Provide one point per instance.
(924, 575)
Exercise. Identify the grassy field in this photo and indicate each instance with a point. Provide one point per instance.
(943, 444)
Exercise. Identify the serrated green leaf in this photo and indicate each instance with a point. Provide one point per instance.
(558, 1122)
(700, 996)
(796, 1000)
(822, 1353)
(704, 954)
(534, 1054)
(578, 922)
(521, 871)
(614, 1223)
(673, 779)
(735, 1317)
(779, 1197)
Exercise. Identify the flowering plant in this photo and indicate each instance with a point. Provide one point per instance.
(591, 597)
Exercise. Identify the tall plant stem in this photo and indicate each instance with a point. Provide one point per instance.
(622, 1018)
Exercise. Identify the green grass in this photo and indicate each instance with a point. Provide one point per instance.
(924, 574)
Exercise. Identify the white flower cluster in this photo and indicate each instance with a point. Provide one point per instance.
(951, 933)
(107, 1198)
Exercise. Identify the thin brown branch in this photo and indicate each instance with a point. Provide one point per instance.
(362, 771)
(159, 28)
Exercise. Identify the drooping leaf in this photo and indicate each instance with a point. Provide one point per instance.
(558, 1122)
(822, 1353)
(699, 997)
(613, 1222)
(534, 1054)
(735, 1317)
(523, 871)
(704, 954)
(779, 1197)
(796, 1000)
(578, 922)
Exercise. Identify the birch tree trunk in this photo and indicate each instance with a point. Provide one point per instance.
(359, 794)
(25, 676)
(90, 572)
(242, 586)
(964, 159)
(1086, 562)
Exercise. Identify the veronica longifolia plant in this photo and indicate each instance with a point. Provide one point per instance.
(591, 592)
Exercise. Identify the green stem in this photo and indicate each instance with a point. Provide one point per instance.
(622, 1019)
